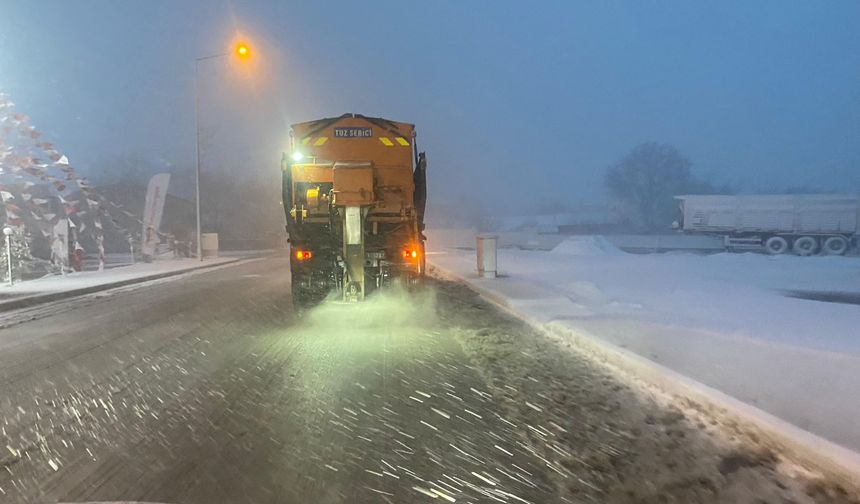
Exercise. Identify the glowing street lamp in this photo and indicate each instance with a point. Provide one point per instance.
(241, 51)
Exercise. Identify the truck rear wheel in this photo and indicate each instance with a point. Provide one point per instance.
(302, 296)
(835, 245)
(307, 290)
(805, 246)
(776, 245)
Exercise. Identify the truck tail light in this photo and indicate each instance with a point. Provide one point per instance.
(303, 255)
(411, 254)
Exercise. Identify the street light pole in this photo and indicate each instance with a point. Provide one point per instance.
(197, 148)
(197, 153)
(242, 51)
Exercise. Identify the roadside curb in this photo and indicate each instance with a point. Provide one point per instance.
(28, 301)
(827, 457)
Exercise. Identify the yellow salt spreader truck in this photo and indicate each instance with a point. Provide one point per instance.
(354, 193)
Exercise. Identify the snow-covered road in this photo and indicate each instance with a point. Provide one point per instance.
(209, 389)
(725, 320)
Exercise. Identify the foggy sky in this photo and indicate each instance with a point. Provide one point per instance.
(515, 102)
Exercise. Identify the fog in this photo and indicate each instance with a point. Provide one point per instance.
(521, 107)
(617, 296)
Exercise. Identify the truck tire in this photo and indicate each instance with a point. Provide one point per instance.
(305, 294)
(805, 246)
(776, 245)
(301, 296)
(835, 245)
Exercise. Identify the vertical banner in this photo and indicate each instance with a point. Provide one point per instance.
(156, 193)
(60, 244)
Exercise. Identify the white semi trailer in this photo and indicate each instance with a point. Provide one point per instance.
(805, 224)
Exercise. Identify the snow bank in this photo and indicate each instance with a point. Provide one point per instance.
(586, 246)
(85, 279)
(723, 319)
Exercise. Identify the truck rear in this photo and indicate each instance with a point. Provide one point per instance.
(354, 194)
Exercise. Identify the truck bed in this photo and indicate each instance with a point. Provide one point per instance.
(789, 214)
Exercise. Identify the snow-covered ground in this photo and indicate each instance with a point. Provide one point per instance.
(87, 279)
(723, 320)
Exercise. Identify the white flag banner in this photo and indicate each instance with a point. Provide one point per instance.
(156, 193)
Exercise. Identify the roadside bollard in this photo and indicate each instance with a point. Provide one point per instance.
(487, 255)
(8, 232)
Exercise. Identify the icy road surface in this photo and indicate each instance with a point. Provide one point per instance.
(210, 389)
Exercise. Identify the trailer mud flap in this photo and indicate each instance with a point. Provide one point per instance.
(353, 254)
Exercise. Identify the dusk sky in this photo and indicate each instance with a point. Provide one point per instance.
(515, 102)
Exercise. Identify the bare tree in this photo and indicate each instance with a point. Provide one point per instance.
(648, 178)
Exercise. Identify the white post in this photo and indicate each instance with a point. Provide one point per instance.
(100, 241)
(131, 249)
(8, 232)
(486, 252)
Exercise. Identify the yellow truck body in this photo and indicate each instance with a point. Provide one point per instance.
(354, 191)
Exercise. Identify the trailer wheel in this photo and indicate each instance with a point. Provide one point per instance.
(835, 245)
(805, 246)
(776, 245)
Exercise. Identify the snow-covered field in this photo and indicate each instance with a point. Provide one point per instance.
(723, 319)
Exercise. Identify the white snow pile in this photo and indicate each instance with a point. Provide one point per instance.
(586, 246)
